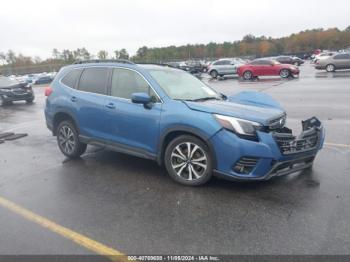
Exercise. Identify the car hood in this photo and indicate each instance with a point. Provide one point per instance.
(253, 106)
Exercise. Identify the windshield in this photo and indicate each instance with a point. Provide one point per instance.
(182, 86)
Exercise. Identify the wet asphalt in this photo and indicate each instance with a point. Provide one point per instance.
(132, 205)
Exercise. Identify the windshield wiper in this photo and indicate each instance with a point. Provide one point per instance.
(206, 98)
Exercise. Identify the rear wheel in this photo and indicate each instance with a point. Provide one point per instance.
(247, 75)
(68, 140)
(284, 73)
(330, 68)
(214, 74)
(188, 161)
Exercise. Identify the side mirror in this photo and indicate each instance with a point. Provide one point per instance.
(142, 98)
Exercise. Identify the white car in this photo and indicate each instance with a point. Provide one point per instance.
(224, 66)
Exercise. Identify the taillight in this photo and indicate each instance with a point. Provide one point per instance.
(48, 91)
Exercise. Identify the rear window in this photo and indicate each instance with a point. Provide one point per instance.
(71, 78)
(94, 80)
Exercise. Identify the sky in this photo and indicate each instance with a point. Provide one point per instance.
(35, 27)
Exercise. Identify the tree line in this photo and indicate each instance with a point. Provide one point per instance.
(249, 46)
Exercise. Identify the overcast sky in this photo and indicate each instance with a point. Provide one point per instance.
(35, 27)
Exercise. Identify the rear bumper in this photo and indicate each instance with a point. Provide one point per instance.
(266, 158)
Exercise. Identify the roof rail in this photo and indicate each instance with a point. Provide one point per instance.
(159, 64)
(123, 61)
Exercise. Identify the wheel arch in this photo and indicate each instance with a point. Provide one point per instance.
(212, 70)
(62, 116)
(174, 132)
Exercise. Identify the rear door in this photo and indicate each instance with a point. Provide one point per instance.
(341, 61)
(90, 101)
(129, 124)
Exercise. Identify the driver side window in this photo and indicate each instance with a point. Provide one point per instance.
(125, 82)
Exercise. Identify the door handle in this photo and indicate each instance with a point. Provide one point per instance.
(110, 106)
(74, 99)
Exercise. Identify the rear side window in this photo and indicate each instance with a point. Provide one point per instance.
(71, 78)
(94, 80)
(261, 62)
(126, 82)
(342, 56)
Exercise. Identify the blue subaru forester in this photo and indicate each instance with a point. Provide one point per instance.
(169, 116)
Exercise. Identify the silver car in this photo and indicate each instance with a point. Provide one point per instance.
(332, 63)
(225, 66)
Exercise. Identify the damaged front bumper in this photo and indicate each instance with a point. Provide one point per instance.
(276, 153)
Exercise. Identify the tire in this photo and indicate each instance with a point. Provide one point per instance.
(66, 131)
(296, 64)
(247, 75)
(188, 167)
(2, 102)
(214, 74)
(285, 73)
(330, 68)
(29, 101)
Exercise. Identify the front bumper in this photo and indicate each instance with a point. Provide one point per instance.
(268, 157)
(12, 96)
(295, 71)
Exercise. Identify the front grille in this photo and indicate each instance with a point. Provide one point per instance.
(245, 165)
(289, 144)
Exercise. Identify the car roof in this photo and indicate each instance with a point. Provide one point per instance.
(124, 65)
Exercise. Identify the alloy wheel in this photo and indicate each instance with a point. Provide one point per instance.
(284, 73)
(66, 139)
(247, 75)
(330, 68)
(189, 161)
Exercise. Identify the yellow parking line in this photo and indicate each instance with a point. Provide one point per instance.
(80, 239)
(337, 145)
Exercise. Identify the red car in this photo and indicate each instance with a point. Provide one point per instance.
(266, 67)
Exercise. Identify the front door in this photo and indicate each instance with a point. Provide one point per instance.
(132, 125)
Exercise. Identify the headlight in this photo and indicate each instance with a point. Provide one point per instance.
(239, 126)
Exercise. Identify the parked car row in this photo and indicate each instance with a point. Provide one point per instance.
(35, 79)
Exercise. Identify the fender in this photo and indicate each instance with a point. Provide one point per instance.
(64, 111)
(185, 129)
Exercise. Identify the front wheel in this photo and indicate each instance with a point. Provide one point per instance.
(68, 140)
(29, 101)
(214, 74)
(285, 73)
(188, 161)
